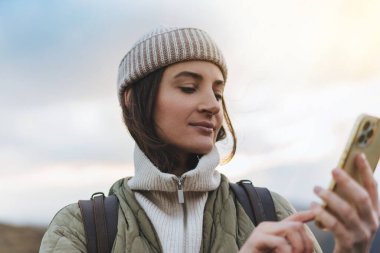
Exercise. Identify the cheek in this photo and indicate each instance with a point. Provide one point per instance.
(169, 114)
(170, 105)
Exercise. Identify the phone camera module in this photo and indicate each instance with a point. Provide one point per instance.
(366, 135)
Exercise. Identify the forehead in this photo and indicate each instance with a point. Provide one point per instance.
(205, 69)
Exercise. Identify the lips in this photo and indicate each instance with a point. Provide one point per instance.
(206, 127)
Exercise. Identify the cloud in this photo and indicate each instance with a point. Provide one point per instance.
(89, 130)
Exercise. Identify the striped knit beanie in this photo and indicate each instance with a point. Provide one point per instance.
(165, 46)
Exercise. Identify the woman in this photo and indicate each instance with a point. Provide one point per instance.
(171, 86)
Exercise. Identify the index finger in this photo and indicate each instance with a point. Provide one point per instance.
(303, 216)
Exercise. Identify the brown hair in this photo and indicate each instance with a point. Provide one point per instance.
(138, 116)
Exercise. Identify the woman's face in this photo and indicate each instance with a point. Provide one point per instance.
(188, 112)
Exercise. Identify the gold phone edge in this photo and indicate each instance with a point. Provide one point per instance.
(343, 158)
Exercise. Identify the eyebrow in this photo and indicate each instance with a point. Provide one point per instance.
(196, 76)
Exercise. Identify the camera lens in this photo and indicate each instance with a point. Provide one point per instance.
(366, 125)
(362, 139)
(369, 133)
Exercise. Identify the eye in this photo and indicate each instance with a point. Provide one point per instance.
(188, 90)
(218, 96)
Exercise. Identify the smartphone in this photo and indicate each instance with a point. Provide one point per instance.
(364, 138)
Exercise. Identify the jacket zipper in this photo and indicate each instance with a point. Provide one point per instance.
(181, 197)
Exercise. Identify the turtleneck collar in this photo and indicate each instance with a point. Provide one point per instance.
(202, 178)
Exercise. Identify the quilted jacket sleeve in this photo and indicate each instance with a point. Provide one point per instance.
(65, 233)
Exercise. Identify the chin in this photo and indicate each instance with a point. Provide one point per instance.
(204, 149)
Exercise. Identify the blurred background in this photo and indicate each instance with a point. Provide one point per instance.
(300, 72)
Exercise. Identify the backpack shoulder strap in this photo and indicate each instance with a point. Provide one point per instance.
(86, 208)
(100, 222)
(256, 201)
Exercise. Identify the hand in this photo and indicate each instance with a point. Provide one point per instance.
(286, 236)
(352, 212)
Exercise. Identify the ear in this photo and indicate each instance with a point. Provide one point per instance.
(126, 96)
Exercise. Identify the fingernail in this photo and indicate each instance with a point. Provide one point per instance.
(317, 190)
(363, 159)
(336, 172)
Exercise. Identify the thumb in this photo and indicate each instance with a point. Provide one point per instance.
(304, 216)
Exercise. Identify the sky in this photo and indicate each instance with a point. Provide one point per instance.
(300, 72)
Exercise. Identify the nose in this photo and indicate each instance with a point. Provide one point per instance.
(209, 104)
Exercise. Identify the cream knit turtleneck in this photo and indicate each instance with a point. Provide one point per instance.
(179, 226)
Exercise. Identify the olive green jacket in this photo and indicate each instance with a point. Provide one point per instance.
(225, 224)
